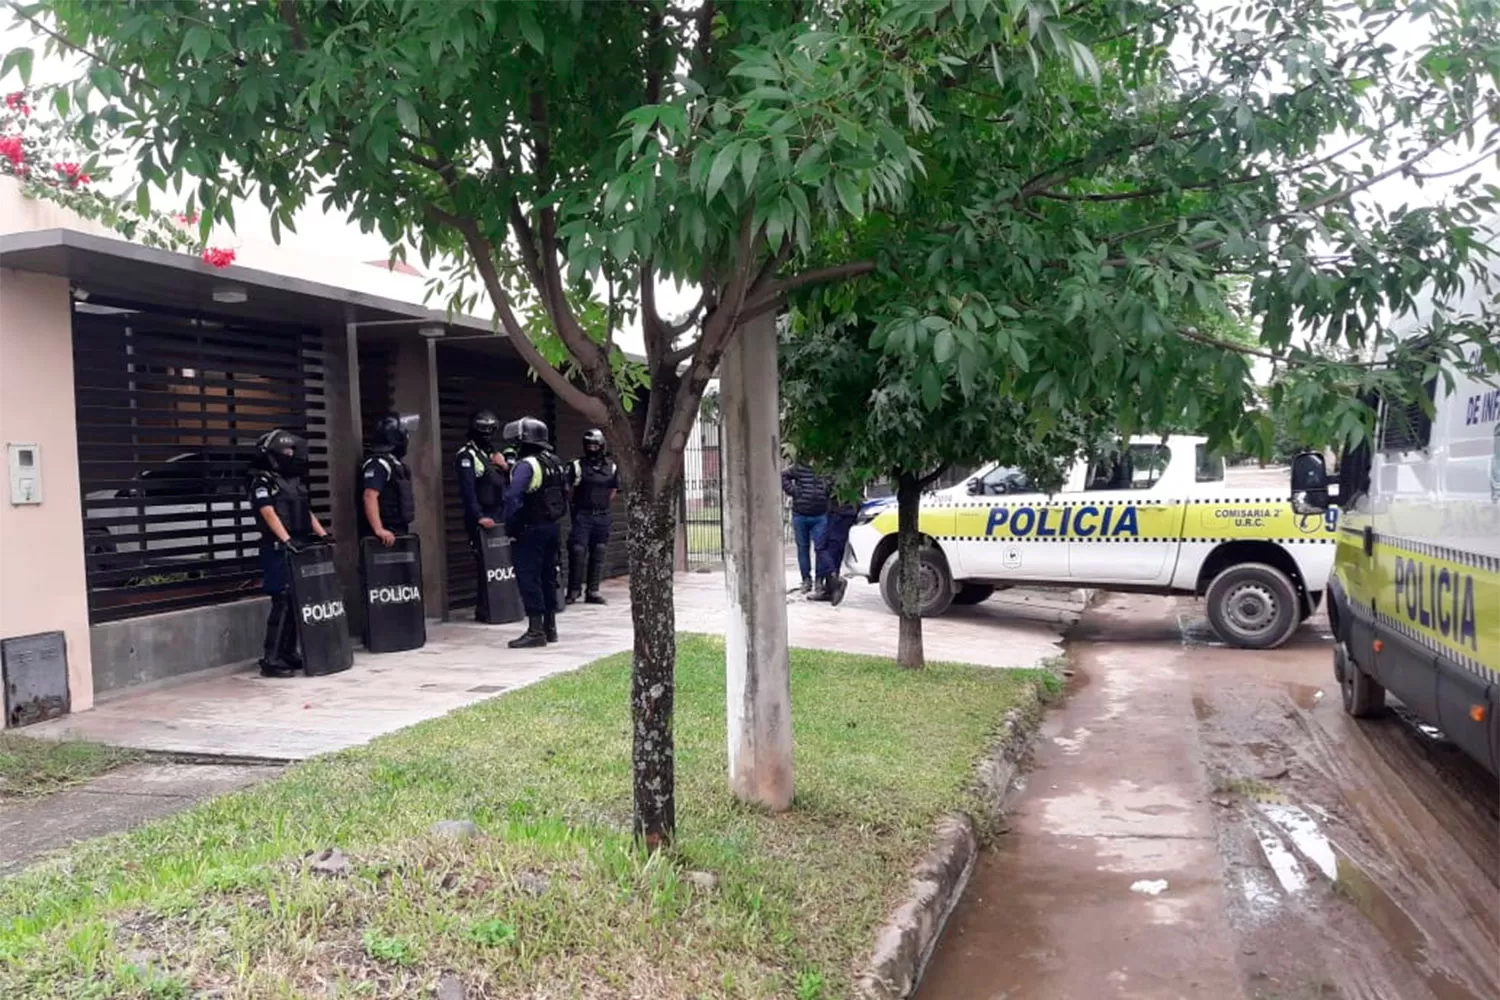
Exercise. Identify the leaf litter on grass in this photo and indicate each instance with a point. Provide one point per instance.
(552, 898)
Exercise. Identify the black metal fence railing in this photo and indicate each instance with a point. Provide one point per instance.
(169, 405)
(702, 511)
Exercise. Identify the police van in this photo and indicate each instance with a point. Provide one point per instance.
(1153, 517)
(1414, 597)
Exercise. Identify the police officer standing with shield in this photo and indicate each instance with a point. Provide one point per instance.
(281, 503)
(481, 485)
(535, 502)
(595, 481)
(386, 501)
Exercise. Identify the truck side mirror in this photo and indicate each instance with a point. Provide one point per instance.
(1309, 483)
(975, 487)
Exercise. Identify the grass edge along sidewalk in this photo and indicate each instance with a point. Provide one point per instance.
(30, 767)
(550, 898)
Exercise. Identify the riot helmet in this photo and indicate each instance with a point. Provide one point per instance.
(528, 434)
(593, 442)
(393, 432)
(282, 452)
(482, 428)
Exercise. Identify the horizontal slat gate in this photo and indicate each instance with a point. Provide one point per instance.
(169, 406)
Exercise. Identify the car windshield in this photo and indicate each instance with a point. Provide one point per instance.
(1001, 480)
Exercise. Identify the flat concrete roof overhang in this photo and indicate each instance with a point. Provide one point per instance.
(109, 268)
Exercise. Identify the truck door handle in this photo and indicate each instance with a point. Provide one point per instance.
(1369, 540)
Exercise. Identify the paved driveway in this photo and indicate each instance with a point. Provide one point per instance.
(246, 716)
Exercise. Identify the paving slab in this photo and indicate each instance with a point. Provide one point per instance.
(120, 800)
(243, 715)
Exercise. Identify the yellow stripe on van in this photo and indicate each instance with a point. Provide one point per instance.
(1120, 521)
(1446, 599)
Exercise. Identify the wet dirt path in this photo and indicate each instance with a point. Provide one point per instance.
(1205, 822)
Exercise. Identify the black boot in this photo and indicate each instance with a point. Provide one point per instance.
(596, 575)
(806, 585)
(836, 587)
(278, 622)
(820, 590)
(533, 636)
(549, 626)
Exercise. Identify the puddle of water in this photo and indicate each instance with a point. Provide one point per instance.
(1283, 862)
(1260, 894)
(1072, 744)
(1306, 696)
(1304, 834)
(1149, 886)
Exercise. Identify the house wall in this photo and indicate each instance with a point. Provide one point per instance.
(41, 546)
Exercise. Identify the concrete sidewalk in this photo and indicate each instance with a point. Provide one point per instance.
(243, 715)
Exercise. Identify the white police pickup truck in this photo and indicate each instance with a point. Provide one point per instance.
(1154, 517)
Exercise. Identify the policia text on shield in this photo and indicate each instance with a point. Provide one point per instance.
(483, 473)
(390, 558)
(307, 606)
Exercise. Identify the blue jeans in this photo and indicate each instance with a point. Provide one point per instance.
(805, 528)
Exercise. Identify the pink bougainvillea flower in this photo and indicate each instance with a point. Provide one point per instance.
(217, 257)
(73, 172)
(12, 150)
(17, 102)
(186, 220)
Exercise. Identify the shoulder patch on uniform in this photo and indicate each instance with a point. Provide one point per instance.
(370, 472)
(465, 463)
(261, 493)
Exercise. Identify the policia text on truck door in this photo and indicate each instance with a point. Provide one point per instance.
(1414, 595)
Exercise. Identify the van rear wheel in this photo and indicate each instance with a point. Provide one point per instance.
(1363, 695)
(1253, 606)
(934, 585)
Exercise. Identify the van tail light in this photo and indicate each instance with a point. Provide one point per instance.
(1477, 713)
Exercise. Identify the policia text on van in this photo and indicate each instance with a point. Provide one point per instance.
(1155, 516)
(1414, 595)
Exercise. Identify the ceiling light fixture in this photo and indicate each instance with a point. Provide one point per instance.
(431, 332)
(230, 294)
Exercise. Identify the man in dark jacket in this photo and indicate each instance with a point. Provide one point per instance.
(809, 492)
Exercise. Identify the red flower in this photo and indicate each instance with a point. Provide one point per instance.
(17, 101)
(12, 149)
(215, 257)
(73, 172)
(187, 220)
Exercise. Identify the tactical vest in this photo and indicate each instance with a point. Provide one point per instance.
(489, 485)
(547, 493)
(595, 479)
(291, 503)
(397, 503)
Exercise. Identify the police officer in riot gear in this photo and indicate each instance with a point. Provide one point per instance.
(386, 503)
(280, 500)
(481, 481)
(595, 481)
(535, 502)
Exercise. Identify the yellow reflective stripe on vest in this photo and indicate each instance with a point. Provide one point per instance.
(536, 472)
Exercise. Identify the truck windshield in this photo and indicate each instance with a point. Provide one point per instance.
(1210, 467)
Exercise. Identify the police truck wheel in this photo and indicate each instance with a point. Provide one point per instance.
(1253, 606)
(935, 586)
(1363, 695)
(973, 593)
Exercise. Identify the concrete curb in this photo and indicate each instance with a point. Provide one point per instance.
(906, 941)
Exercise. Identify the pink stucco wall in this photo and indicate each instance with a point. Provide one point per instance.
(42, 586)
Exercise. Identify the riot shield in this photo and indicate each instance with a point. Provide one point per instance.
(499, 593)
(395, 618)
(318, 608)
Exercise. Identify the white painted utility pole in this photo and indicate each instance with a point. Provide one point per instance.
(755, 645)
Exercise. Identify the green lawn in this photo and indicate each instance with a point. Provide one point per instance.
(552, 899)
(35, 767)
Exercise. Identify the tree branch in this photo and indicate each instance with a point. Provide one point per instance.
(932, 476)
(775, 293)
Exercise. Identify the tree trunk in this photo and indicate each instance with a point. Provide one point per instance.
(652, 521)
(908, 547)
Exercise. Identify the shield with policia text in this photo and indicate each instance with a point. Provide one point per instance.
(395, 618)
(318, 608)
(499, 593)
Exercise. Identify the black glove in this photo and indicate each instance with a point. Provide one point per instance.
(291, 545)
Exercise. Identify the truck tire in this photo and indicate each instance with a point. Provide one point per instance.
(1310, 606)
(972, 593)
(936, 584)
(1253, 606)
(1363, 695)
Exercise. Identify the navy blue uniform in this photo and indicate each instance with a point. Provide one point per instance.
(595, 480)
(388, 476)
(534, 503)
(835, 536)
(288, 497)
